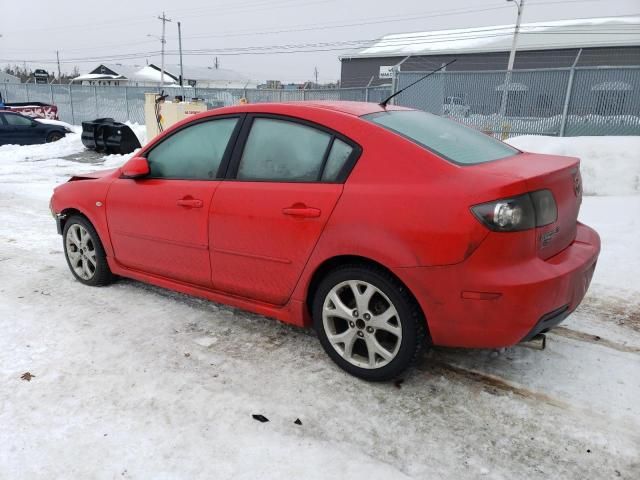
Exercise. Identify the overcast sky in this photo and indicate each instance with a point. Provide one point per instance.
(33, 30)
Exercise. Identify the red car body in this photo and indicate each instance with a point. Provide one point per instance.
(402, 207)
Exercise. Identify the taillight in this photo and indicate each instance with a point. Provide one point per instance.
(533, 209)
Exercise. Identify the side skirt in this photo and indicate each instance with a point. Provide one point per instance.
(292, 312)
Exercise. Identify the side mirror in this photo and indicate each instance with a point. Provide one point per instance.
(135, 168)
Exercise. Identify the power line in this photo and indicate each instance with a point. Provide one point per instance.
(385, 42)
(315, 47)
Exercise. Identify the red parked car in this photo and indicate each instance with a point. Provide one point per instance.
(385, 229)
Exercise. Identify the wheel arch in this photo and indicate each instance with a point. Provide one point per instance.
(331, 263)
(68, 212)
(97, 223)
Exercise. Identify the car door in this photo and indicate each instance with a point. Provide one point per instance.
(159, 224)
(266, 218)
(20, 129)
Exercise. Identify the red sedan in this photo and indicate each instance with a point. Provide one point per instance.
(384, 228)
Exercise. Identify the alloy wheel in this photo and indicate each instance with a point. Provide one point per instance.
(362, 324)
(81, 251)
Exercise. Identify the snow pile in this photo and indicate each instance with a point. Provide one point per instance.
(55, 161)
(139, 130)
(609, 165)
(68, 145)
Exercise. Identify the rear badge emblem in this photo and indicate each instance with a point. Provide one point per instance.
(547, 237)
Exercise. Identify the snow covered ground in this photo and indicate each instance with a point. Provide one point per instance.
(132, 381)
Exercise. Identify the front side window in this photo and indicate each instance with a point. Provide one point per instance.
(194, 152)
(18, 120)
(448, 139)
(279, 150)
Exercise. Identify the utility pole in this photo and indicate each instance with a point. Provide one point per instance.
(315, 74)
(58, 59)
(514, 44)
(180, 48)
(512, 56)
(216, 64)
(162, 42)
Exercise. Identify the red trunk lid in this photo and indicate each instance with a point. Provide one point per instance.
(560, 175)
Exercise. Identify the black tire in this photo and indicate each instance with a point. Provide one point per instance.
(101, 274)
(410, 319)
(54, 137)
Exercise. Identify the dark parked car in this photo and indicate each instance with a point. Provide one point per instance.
(17, 129)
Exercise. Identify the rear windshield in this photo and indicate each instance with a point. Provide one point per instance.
(450, 140)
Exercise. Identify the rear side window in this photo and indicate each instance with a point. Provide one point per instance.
(450, 140)
(340, 153)
(279, 150)
(194, 152)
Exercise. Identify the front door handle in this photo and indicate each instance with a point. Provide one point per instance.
(190, 203)
(302, 211)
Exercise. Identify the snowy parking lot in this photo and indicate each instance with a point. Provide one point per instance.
(133, 381)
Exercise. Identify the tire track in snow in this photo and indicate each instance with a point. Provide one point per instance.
(594, 339)
(492, 384)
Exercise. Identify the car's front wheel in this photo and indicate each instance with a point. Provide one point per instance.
(54, 137)
(368, 322)
(84, 252)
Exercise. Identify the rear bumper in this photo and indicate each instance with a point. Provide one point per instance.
(478, 304)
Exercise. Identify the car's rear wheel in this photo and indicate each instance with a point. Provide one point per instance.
(84, 252)
(368, 322)
(54, 137)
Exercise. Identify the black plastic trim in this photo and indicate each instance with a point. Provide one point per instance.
(548, 321)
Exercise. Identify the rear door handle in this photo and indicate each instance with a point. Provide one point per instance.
(190, 203)
(304, 212)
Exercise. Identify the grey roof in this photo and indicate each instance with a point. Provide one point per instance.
(549, 35)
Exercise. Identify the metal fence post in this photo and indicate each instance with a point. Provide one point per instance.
(567, 97)
(26, 86)
(6, 93)
(126, 101)
(73, 117)
(95, 97)
(51, 93)
(394, 83)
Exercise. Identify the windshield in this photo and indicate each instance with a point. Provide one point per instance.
(450, 140)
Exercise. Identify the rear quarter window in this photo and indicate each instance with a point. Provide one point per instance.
(448, 139)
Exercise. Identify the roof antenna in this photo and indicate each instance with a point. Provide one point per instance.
(383, 103)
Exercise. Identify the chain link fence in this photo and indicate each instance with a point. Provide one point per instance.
(564, 102)
(77, 103)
